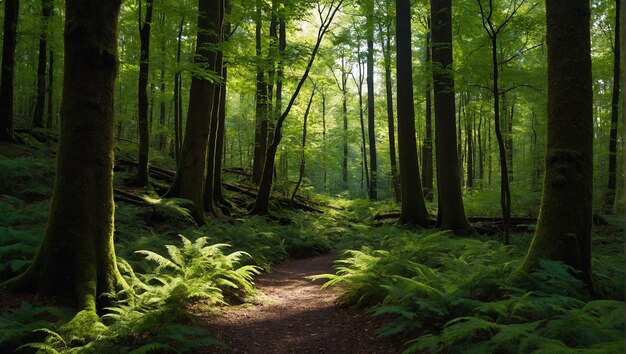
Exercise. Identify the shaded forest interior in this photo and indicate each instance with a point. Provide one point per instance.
(462, 164)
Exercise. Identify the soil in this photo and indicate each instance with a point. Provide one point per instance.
(294, 315)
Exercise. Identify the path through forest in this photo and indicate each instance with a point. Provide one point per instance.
(295, 316)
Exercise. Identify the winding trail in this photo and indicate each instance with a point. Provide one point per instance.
(295, 316)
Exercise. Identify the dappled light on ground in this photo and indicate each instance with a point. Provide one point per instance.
(294, 315)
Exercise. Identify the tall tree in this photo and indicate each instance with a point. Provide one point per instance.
(76, 263)
(609, 198)
(303, 155)
(371, 124)
(40, 102)
(385, 42)
(189, 180)
(564, 227)
(359, 84)
(7, 72)
(427, 147)
(342, 85)
(260, 133)
(493, 30)
(413, 209)
(451, 211)
(178, 100)
(141, 179)
(326, 13)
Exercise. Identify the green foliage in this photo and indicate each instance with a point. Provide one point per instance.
(454, 292)
(28, 322)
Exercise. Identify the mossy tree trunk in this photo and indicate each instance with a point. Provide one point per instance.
(7, 72)
(141, 179)
(413, 209)
(76, 263)
(189, 180)
(451, 211)
(564, 227)
(427, 148)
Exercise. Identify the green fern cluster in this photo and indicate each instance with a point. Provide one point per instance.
(456, 291)
(26, 177)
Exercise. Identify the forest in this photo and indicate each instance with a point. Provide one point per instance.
(326, 176)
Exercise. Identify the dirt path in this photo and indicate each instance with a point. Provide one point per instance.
(296, 316)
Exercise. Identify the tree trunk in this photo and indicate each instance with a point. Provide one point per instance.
(386, 46)
(40, 102)
(302, 157)
(262, 202)
(427, 147)
(609, 197)
(452, 213)
(189, 180)
(141, 179)
(413, 209)
(344, 115)
(564, 228)
(7, 72)
(50, 92)
(76, 263)
(371, 127)
(260, 133)
(469, 127)
(212, 155)
(363, 144)
(178, 111)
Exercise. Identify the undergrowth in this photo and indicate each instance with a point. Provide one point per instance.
(452, 295)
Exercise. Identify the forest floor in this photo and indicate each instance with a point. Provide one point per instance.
(293, 314)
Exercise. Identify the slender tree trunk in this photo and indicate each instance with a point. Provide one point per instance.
(427, 147)
(212, 155)
(7, 72)
(564, 227)
(344, 115)
(261, 204)
(302, 157)
(141, 179)
(324, 133)
(40, 102)
(371, 126)
(50, 92)
(413, 209)
(452, 213)
(469, 126)
(609, 198)
(178, 111)
(386, 45)
(260, 134)
(363, 143)
(189, 180)
(76, 261)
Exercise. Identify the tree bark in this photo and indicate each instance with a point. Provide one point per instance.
(189, 180)
(427, 147)
(413, 209)
(359, 84)
(178, 105)
(40, 101)
(7, 72)
(141, 179)
(564, 228)
(260, 133)
(452, 213)
(371, 127)
(50, 92)
(76, 262)
(609, 198)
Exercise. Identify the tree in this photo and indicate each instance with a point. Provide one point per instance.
(427, 147)
(261, 204)
(369, 32)
(451, 211)
(564, 227)
(38, 115)
(385, 43)
(141, 179)
(189, 180)
(76, 261)
(413, 210)
(7, 72)
(302, 156)
(609, 198)
(260, 133)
